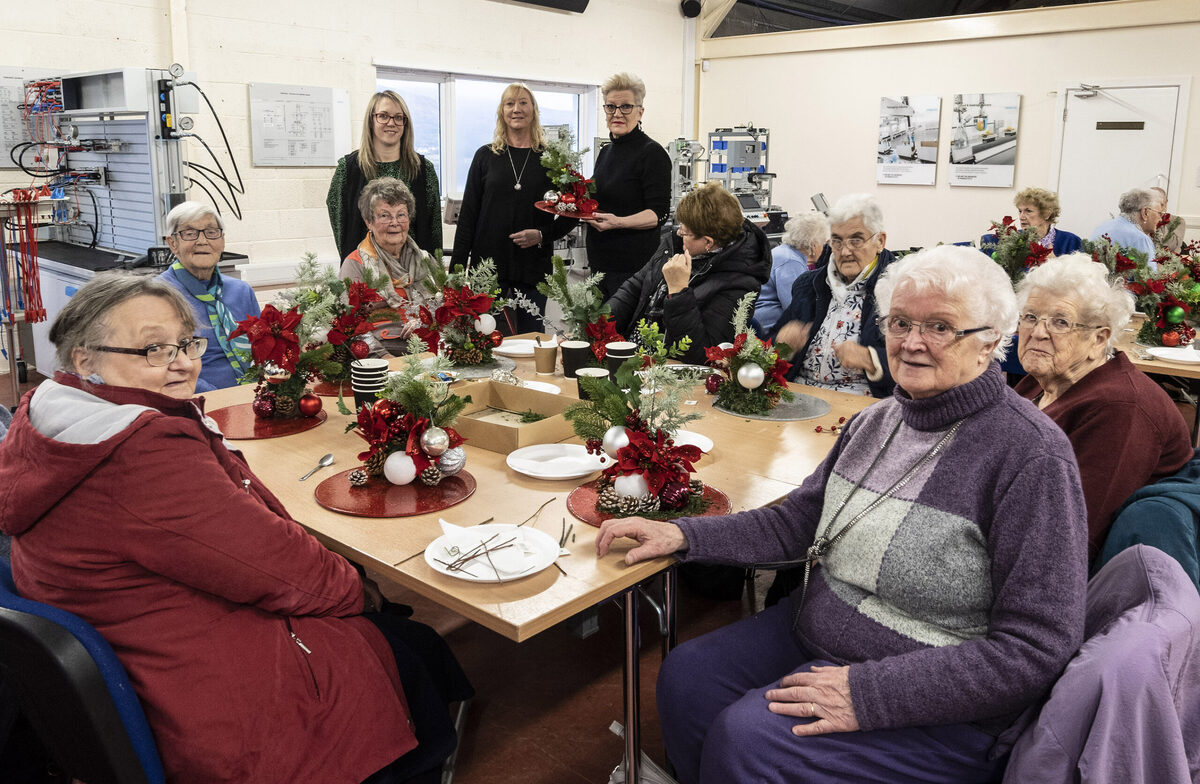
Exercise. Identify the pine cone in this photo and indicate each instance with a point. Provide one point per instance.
(285, 407)
(374, 464)
(358, 477)
(696, 486)
(431, 476)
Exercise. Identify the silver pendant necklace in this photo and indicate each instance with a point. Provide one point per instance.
(517, 177)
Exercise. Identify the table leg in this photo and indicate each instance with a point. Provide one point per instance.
(670, 588)
(632, 680)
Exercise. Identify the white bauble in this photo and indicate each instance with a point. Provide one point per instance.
(631, 486)
(399, 468)
(485, 324)
(615, 439)
(751, 376)
(550, 196)
(452, 461)
(435, 441)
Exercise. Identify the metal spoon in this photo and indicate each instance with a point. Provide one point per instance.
(327, 460)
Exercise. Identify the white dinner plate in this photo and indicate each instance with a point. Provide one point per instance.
(530, 552)
(1186, 354)
(554, 461)
(515, 347)
(690, 438)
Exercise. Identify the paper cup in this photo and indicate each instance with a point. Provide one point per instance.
(544, 357)
(575, 354)
(616, 353)
(588, 372)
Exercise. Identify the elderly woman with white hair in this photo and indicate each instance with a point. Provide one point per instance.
(942, 547)
(830, 324)
(1125, 431)
(1134, 227)
(804, 237)
(196, 237)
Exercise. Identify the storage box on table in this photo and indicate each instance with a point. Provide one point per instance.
(492, 420)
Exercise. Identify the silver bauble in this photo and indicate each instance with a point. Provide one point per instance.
(615, 439)
(434, 441)
(452, 461)
(550, 196)
(751, 376)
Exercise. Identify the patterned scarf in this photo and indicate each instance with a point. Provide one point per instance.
(219, 317)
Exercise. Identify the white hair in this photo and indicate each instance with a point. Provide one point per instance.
(188, 212)
(804, 231)
(1085, 284)
(1132, 202)
(963, 276)
(858, 205)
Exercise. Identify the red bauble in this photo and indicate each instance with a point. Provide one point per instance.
(360, 349)
(712, 383)
(263, 407)
(673, 495)
(1170, 339)
(310, 405)
(589, 205)
(567, 198)
(384, 408)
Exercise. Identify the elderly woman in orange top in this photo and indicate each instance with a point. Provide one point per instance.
(1125, 431)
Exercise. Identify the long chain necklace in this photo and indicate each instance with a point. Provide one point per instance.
(517, 177)
(822, 545)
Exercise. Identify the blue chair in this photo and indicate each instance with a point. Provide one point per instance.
(74, 692)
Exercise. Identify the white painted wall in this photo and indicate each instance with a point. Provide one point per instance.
(818, 92)
(229, 43)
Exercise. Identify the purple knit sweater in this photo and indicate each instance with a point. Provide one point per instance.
(958, 599)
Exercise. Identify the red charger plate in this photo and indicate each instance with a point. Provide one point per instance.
(546, 206)
(582, 503)
(380, 498)
(238, 423)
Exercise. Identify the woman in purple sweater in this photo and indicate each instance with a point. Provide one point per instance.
(945, 591)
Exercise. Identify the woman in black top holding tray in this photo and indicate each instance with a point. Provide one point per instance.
(498, 220)
(633, 188)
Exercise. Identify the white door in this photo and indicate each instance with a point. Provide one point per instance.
(1111, 139)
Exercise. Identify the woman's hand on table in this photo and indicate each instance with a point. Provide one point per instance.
(655, 539)
(794, 334)
(822, 694)
(603, 221)
(526, 238)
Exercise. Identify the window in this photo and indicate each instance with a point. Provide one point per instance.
(455, 114)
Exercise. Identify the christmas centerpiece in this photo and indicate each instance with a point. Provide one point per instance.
(632, 421)
(1016, 250)
(409, 431)
(1168, 293)
(1165, 230)
(286, 357)
(751, 377)
(586, 316)
(573, 192)
(458, 322)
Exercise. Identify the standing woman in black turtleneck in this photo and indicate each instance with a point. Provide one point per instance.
(633, 188)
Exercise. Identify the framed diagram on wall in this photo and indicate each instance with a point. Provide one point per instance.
(907, 150)
(983, 139)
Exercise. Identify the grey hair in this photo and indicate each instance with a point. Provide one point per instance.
(1085, 284)
(963, 276)
(1132, 202)
(858, 205)
(83, 322)
(189, 211)
(805, 230)
(625, 81)
(389, 190)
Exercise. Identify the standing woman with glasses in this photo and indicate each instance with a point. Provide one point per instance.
(387, 150)
(498, 220)
(196, 236)
(1125, 431)
(633, 188)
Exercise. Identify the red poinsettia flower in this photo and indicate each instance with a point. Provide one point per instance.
(601, 332)
(1156, 285)
(461, 302)
(653, 459)
(1163, 220)
(1038, 255)
(361, 294)
(1124, 263)
(272, 337)
(1137, 288)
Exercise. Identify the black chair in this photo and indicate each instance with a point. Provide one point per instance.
(74, 692)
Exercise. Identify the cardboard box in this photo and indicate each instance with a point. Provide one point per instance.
(492, 420)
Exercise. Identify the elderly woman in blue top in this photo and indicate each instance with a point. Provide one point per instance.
(196, 236)
(1135, 226)
(804, 238)
(945, 592)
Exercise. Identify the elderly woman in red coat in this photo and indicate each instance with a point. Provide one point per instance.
(242, 635)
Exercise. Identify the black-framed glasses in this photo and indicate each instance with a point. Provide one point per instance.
(935, 332)
(383, 118)
(211, 233)
(1055, 325)
(854, 243)
(624, 109)
(162, 354)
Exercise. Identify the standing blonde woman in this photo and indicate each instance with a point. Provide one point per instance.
(386, 151)
(498, 220)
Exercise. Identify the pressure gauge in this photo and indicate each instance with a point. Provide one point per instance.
(176, 70)
(185, 123)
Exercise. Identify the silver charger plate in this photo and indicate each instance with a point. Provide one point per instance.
(801, 407)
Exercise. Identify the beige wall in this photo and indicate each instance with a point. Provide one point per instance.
(818, 92)
(229, 43)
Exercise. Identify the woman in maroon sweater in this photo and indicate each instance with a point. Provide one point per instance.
(1125, 431)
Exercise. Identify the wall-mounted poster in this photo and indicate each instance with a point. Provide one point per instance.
(983, 139)
(908, 140)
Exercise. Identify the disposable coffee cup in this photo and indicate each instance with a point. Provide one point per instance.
(544, 357)
(588, 372)
(369, 365)
(365, 397)
(575, 354)
(617, 352)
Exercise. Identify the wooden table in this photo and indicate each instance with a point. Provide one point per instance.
(1184, 375)
(754, 462)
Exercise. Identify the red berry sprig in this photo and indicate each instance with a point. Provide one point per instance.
(831, 429)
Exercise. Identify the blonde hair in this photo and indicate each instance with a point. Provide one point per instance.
(536, 135)
(410, 162)
(1045, 202)
(625, 81)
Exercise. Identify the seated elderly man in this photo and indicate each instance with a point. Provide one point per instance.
(831, 321)
(1173, 240)
(804, 238)
(1134, 227)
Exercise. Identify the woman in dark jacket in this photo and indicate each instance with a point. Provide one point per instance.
(694, 293)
